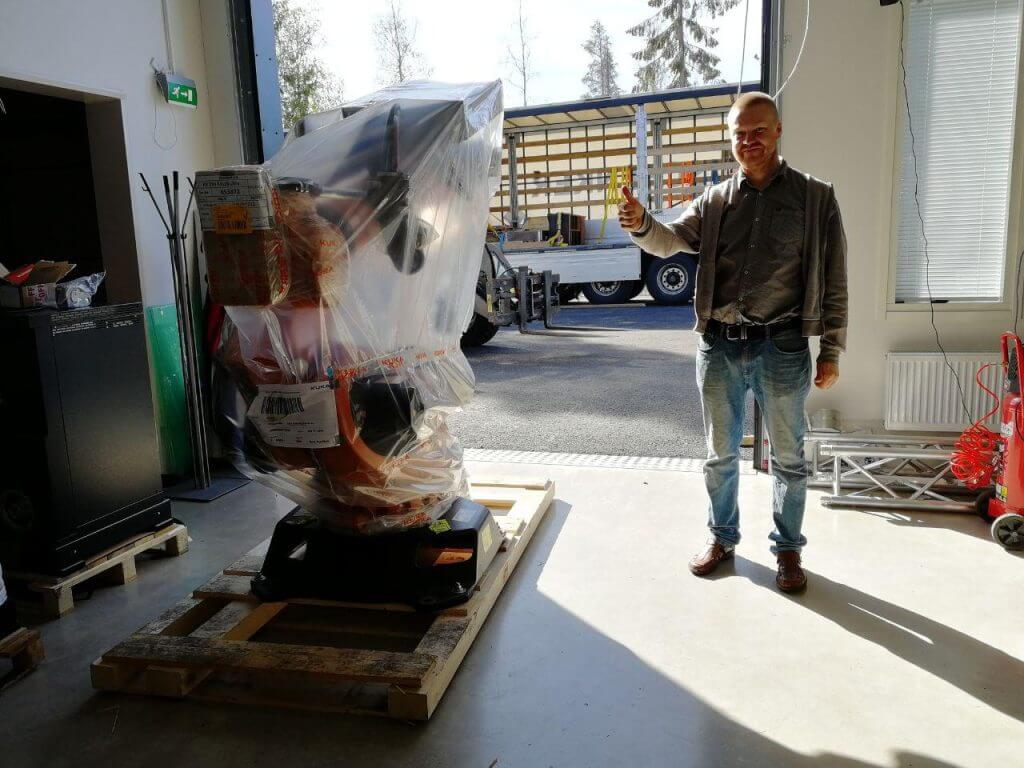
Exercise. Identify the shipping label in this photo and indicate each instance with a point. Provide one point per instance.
(296, 415)
(235, 202)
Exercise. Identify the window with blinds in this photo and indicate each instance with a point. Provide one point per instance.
(961, 61)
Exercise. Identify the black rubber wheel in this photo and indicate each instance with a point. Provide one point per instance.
(1008, 530)
(981, 503)
(671, 281)
(638, 288)
(567, 293)
(616, 292)
(480, 331)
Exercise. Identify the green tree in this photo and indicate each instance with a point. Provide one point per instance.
(602, 72)
(677, 40)
(307, 86)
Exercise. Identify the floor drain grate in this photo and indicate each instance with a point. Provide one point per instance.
(663, 463)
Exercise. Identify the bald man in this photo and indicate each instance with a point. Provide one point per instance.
(771, 272)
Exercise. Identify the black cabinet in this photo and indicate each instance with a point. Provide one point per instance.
(79, 459)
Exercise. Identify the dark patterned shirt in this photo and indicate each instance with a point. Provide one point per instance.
(758, 268)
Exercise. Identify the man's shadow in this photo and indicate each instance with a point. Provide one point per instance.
(989, 674)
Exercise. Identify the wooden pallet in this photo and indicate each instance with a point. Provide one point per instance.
(24, 647)
(223, 644)
(114, 566)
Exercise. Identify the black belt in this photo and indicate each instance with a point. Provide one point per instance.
(747, 332)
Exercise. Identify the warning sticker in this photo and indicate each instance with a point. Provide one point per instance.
(296, 415)
(231, 219)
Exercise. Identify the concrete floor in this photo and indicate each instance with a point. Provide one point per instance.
(906, 650)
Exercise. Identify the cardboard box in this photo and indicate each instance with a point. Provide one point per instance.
(36, 288)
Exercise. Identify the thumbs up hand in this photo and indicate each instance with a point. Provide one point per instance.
(631, 212)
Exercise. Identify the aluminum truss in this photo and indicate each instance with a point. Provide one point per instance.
(893, 477)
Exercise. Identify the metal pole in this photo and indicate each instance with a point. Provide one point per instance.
(195, 400)
(200, 404)
(642, 187)
(656, 203)
(513, 183)
(184, 329)
(867, 502)
(172, 241)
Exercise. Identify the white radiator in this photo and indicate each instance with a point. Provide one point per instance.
(921, 394)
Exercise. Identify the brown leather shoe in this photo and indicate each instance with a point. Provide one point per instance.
(705, 561)
(791, 577)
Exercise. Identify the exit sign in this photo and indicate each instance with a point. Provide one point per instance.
(179, 90)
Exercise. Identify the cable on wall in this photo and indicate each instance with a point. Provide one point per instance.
(920, 216)
(807, 27)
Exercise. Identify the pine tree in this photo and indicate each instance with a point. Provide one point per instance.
(676, 39)
(601, 76)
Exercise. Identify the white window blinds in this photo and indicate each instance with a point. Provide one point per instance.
(961, 60)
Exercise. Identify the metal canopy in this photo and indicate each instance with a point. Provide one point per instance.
(569, 113)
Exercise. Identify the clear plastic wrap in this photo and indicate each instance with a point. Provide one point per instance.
(348, 265)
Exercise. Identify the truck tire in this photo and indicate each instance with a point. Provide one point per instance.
(567, 293)
(671, 281)
(480, 331)
(611, 293)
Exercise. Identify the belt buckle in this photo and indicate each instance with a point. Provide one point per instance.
(741, 333)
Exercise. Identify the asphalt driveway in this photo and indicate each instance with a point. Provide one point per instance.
(625, 387)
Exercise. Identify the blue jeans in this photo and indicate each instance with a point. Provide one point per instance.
(778, 371)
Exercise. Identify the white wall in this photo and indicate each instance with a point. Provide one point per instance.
(840, 116)
(105, 48)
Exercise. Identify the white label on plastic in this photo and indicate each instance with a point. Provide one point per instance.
(296, 415)
(247, 188)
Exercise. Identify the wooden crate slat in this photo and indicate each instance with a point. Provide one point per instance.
(450, 637)
(406, 669)
(238, 587)
(24, 647)
(238, 621)
(250, 562)
(315, 654)
(247, 565)
(227, 587)
(181, 618)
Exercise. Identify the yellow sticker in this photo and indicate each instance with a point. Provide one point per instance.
(231, 219)
(441, 526)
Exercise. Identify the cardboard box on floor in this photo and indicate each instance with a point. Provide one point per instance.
(37, 289)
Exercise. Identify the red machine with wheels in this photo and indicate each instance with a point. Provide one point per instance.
(994, 462)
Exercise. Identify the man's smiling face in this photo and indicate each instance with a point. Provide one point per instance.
(755, 134)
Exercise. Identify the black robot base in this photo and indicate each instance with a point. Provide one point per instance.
(429, 568)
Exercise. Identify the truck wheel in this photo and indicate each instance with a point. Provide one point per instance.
(567, 293)
(671, 281)
(480, 331)
(638, 288)
(610, 293)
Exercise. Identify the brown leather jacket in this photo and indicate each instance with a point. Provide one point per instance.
(824, 312)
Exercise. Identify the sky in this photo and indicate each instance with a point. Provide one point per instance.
(468, 40)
